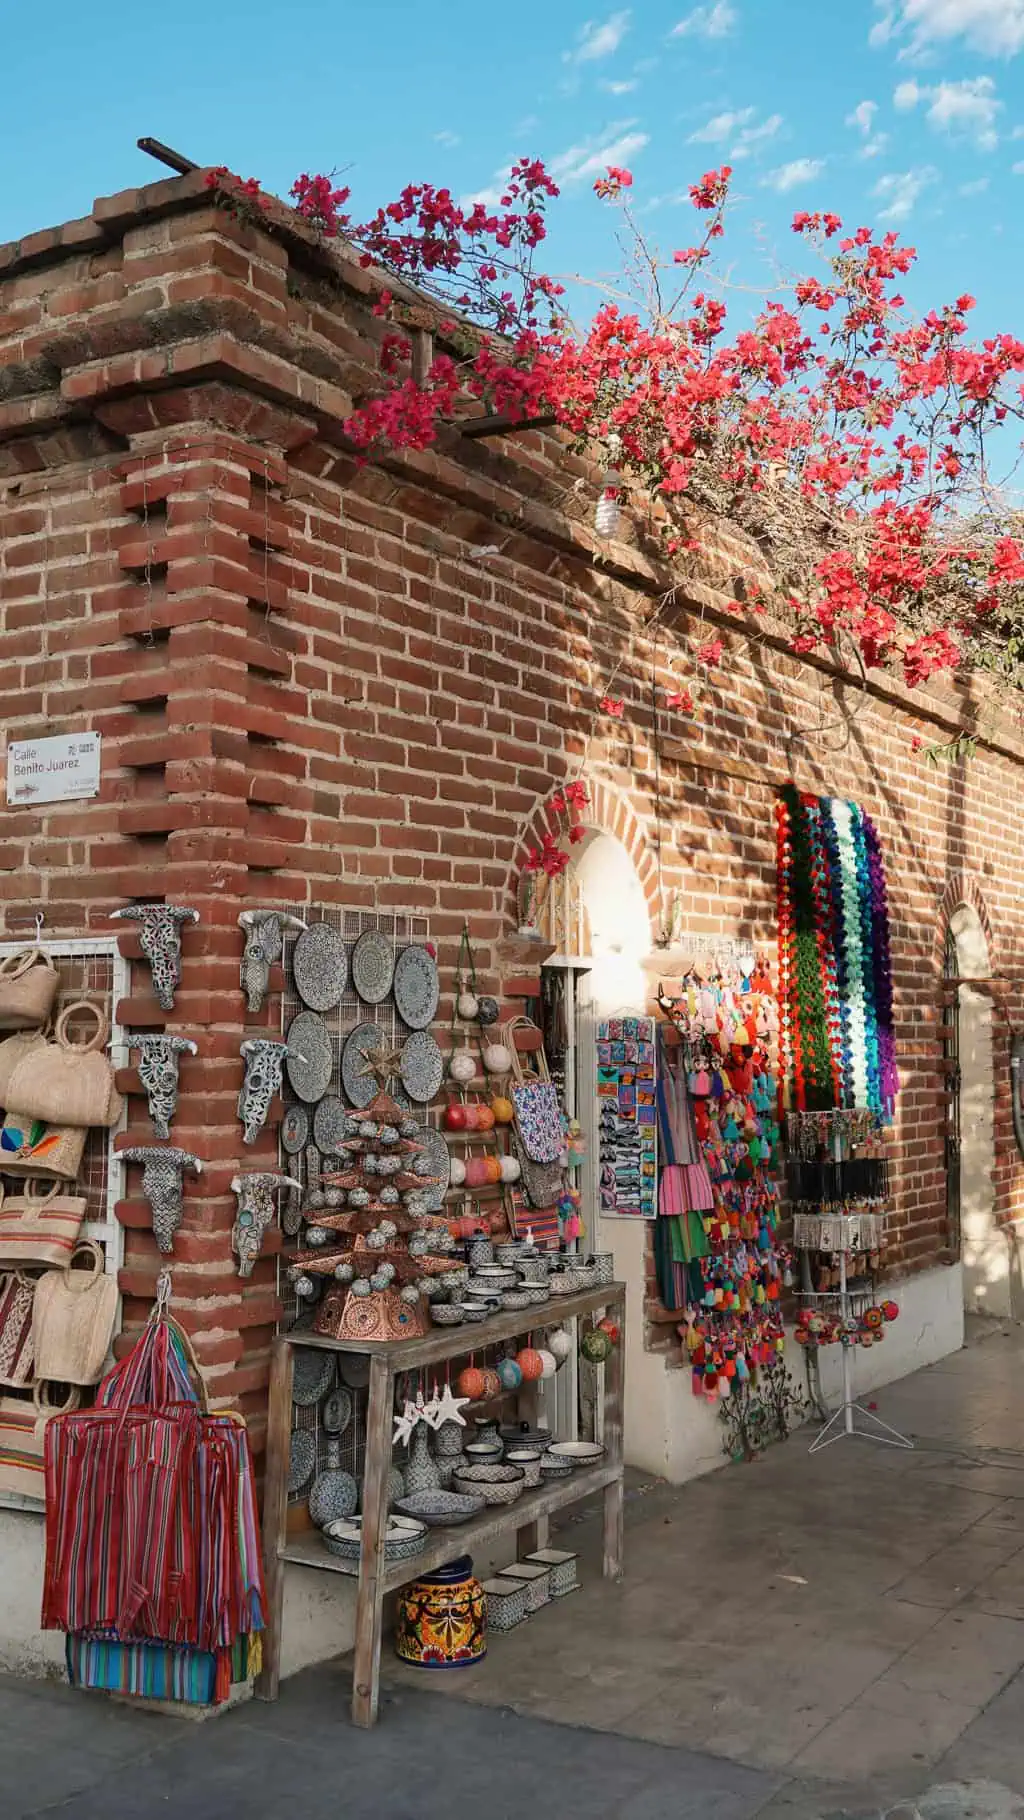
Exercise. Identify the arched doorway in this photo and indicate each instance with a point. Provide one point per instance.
(970, 1138)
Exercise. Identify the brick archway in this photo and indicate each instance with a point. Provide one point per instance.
(607, 812)
(963, 888)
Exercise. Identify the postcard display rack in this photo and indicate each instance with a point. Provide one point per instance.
(839, 1080)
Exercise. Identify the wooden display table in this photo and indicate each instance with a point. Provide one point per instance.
(376, 1575)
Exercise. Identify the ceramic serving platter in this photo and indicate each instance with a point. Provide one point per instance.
(294, 1130)
(438, 1156)
(422, 1067)
(329, 1122)
(320, 967)
(403, 1536)
(373, 966)
(310, 1058)
(359, 1087)
(313, 1376)
(302, 1458)
(337, 1411)
(417, 987)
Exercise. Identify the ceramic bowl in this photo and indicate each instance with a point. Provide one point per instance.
(403, 1536)
(514, 1299)
(554, 1469)
(440, 1509)
(478, 1453)
(536, 1293)
(446, 1314)
(577, 1453)
(476, 1311)
(495, 1484)
(529, 1458)
(507, 1255)
(587, 1276)
(563, 1282)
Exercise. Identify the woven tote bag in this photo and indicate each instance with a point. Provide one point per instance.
(28, 987)
(40, 1226)
(73, 1318)
(66, 1082)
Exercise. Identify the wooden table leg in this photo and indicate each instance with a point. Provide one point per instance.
(614, 1392)
(370, 1597)
(275, 1514)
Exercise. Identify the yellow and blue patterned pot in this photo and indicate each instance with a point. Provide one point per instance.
(441, 1619)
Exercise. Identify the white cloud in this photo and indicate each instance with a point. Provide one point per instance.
(966, 109)
(874, 146)
(447, 138)
(977, 188)
(619, 88)
(599, 39)
(721, 126)
(752, 139)
(789, 176)
(863, 116)
(1018, 169)
(994, 28)
(716, 21)
(617, 145)
(899, 191)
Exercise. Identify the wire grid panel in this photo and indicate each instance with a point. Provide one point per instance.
(91, 968)
(402, 930)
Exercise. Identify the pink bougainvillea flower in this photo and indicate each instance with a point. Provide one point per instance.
(609, 705)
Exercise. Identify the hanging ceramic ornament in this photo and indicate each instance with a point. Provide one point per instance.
(503, 1109)
(510, 1169)
(549, 1364)
(457, 1170)
(264, 945)
(467, 1004)
(509, 1375)
(530, 1364)
(560, 1344)
(462, 1067)
(160, 928)
(487, 1011)
(497, 1058)
(470, 1384)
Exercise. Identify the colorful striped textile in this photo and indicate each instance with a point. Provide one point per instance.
(156, 1671)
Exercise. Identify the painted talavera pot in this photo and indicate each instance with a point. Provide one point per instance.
(441, 1620)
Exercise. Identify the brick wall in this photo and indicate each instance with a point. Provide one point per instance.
(316, 686)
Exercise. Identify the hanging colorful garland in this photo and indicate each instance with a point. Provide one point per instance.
(836, 1035)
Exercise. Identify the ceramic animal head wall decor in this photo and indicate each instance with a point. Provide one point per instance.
(264, 945)
(158, 1072)
(162, 1170)
(255, 1196)
(160, 928)
(264, 1061)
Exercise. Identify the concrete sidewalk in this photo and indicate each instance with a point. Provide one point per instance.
(806, 1638)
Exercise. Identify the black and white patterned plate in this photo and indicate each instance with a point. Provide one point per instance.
(310, 1058)
(422, 1067)
(320, 967)
(373, 966)
(359, 1087)
(417, 987)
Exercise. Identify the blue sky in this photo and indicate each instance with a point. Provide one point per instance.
(902, 113)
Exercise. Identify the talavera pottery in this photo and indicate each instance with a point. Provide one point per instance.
(417, 988)
(554, 1469)
(158, 1072)
(310, 1057)
(264, 944)
(446, 1314)
(256, 1208)
(506, 1603)
(320, 967)
(421, 1067)
(312, 1375)
(334, 1492)
(437, 1156)
(264, 1060)
(439, 1509)
(337, 1412)
(301, 1459)
(496, 1484)
(359, 1087)
(160, 940)
(440, 1620)
(403, 1537)
(537, 1580)
(161, 1184)
(448, 1439)
(529, 1458)
(330, 1125)
(522, 1435)
(294, 1130)
(373, 966)
(421, 1472)
(577, 1453)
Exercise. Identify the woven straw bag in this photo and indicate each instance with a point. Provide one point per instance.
(23, 1438)
(17, 1292)
(40, 1225)
(31, 1147)
(28, 987)
(14, 1050)
(73, 1319)
(64, 1082)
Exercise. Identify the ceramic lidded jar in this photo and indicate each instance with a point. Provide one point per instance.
(440, 1620)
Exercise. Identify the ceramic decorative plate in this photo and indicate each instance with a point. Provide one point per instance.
(422, 1067)
(302, 1458)
(320, 967)
(354, 1369)
(439, 1157)
(329, 1121)
(294, 1129)
(360, 1088)
(373, 966)
(337, 1412)
(417, 987)
(309, 1037)
(313, 1376)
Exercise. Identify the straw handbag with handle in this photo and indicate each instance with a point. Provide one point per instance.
(31, 1147)
(23, 1437)
(40, 1225)
(28, 987)
(64, 1082)
(73, 1319)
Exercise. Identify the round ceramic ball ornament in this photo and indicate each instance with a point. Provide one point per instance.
(560, 1343)
(487, 1011)
(457, 1172)
(509, 1375)
(530, 1364)
(455, 1118)
(492, 1384)
(497, 1058)
(595, 1346)
(510, 1168)
(549, 1364)
(503, 1109)
(462, 1067)
(468, 1005)
(471, 1384)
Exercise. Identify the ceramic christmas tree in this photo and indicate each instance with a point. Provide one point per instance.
(371, 1233)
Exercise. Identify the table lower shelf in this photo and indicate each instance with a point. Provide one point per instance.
(444, 1544)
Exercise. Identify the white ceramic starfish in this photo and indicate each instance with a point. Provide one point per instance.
(405, 1423)
(449, 1408)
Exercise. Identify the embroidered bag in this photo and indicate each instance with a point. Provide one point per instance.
(17, 1294)
(538, 1112)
